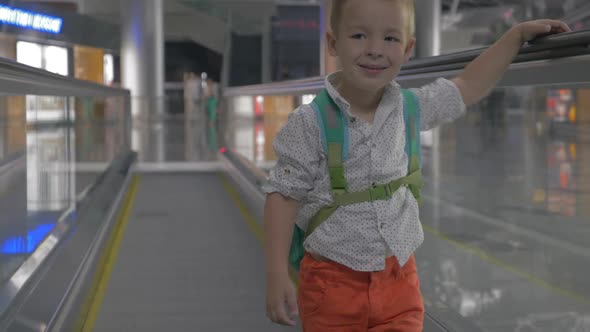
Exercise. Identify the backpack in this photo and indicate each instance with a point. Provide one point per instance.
(334, 132)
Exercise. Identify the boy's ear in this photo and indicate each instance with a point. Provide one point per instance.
(409, 47)
(331, 41)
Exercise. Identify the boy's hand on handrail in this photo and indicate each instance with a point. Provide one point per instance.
(482, 74)
(541, 28)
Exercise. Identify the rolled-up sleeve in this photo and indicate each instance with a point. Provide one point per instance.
(440, 102)
(297, 147)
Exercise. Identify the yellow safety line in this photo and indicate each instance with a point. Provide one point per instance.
(88, 321)
(257, 230)
(249, 218)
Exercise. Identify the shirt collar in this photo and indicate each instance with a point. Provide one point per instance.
(331, 79)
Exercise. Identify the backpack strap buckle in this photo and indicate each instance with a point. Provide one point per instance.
(380, 192)
(337, 179)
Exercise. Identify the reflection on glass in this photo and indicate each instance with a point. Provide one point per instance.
(244, 141)
(243, 106)
(259, 106)
(565, 321)
(48, 109)
(468, 302)
(108, 69)
(561, 187)
(53, 59)
(259, 137)
(464, 26)
(513, 209)
(561, 106)
(14, 123)
(26, 244)
(48, 167)
(50, 172)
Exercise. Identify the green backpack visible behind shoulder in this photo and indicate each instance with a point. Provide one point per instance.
(335, 140)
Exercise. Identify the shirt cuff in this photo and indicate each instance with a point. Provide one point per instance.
(457, 94)
(272, 186)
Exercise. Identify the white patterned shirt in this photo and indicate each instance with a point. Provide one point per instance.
(362, 235)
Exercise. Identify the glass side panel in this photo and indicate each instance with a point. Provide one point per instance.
(51, 150)
(506, 210)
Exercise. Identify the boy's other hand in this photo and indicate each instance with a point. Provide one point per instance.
(281, 293)
(532, 29)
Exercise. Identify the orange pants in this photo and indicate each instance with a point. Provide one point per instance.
(332, 297)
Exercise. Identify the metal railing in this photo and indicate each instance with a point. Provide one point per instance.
(34, 294)
(545, 60)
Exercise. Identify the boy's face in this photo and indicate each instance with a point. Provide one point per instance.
(371, 42)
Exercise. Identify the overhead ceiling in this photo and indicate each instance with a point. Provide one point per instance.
(204, 21)
(464, 4)
(247, 16)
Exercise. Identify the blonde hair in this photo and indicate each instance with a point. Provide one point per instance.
(408, 6)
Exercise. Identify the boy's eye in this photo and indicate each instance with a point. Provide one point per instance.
(392, 39)
(358, 36)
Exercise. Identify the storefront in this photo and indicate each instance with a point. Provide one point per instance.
(67, 44)
(61, 42)
(568, 111)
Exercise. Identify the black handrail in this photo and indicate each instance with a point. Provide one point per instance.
(569, 40)
(21, 79)
(562, 45)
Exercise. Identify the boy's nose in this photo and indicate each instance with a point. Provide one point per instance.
(374, 49)
(374, 54)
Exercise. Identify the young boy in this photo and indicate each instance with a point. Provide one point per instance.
(359, 272)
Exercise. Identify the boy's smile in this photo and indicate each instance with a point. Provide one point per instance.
(373, 70)
(372, 43)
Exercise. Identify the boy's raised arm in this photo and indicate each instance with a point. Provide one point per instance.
(482, 74)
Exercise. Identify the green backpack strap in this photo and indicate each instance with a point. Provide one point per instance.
(335, 136)
(335, 139)
(334, 131)
(412, 121)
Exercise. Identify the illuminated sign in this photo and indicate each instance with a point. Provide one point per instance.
(30, 20)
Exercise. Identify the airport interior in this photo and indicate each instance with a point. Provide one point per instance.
(136, 138)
